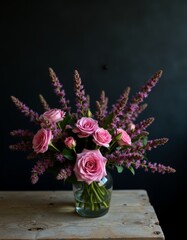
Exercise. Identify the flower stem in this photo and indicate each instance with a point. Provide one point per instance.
(96, 193)
(93, 197)
(50, 144)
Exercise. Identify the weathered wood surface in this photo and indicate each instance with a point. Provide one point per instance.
(50, 215)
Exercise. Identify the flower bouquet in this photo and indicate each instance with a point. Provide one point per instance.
(81, 146)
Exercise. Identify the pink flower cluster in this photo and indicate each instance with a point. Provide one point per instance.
(90, 164)
(43, 137)
(82, 145)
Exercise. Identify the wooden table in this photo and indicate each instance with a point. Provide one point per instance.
(50, 215)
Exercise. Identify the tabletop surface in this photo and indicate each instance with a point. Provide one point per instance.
(50, 215)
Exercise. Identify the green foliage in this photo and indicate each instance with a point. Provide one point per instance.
(132, 170)
(68, 153)
(68, 120)
(144, 141)
(119, 168)
(108, 120)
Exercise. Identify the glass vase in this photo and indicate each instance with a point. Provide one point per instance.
(93, 200)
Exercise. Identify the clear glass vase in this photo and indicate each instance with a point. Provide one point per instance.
(93, 200)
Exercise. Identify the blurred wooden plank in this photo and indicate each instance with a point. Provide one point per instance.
(50, 215)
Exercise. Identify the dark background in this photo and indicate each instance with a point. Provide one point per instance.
(113, 44)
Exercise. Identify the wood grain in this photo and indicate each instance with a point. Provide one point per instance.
(50, 215)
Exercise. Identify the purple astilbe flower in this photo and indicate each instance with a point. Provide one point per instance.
(155, 143)
(44, 122)
(139, 110)
(44, 103)
(132, 158)
(154, 167)
(21, 146)
(121, 157)
(82, 104)
(39, 169)
(118, 108)
(165, 169)
(57, 133)
(137, 164)
(141, 136)
(64, 173)
(58, 89)
(60, 157)
(142, 126)
(140, 96)
(25, 110)
(21, 133)
(132, 163)
(101, 107)
(138, 146)
(146, 165)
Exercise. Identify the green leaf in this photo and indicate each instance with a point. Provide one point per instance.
(108, 120)
(89, 113)
(66, 121)
(68, 153)
(119, 168)
(132, 170)
(118, 136)
(144, 141)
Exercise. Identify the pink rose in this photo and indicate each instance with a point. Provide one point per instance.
(90, 166)
(54, 115)
(41, 140)
(125, 138)
(70, 142)
(85, 127)
(102, 137)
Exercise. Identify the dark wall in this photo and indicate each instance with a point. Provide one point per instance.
(113, 44)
